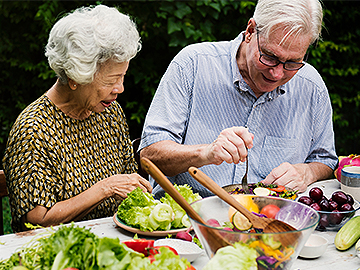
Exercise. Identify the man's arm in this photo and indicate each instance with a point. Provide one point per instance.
(173, 158)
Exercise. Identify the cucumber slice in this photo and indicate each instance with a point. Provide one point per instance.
(261, 191)
(240, 222)
(185, 221)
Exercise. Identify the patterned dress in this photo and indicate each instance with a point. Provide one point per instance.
(51, 157)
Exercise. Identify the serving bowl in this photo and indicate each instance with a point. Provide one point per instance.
(330, 221)
(334, 208)
(270, 250)
(314, 247)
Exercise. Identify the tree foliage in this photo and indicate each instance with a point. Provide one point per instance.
(166, 27)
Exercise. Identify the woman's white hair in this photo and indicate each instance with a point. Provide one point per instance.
(296, 17)
(84, 39)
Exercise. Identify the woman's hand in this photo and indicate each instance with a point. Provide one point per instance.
(119, 185)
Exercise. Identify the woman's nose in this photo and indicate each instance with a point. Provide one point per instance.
(118, 87)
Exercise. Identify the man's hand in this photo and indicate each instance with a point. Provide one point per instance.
(230, 146)
(297, 176)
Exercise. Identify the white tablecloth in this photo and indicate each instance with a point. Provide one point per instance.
(332, 259)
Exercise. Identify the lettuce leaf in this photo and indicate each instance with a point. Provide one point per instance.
(189, 196)
(166, 260)
(238, 256)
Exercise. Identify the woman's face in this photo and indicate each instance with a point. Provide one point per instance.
(262, 78)
(107, 84)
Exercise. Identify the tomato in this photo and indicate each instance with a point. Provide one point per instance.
(190, 268)
(151, 258)
(270, 210)
(155, 250)
(139, 245)
(278, 189)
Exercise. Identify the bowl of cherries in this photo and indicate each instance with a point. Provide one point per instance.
(334, 211)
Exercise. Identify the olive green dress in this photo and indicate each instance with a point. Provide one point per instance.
(51, 157)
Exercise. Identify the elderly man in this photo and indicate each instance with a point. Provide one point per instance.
(254, 96)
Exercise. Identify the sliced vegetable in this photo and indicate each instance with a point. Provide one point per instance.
(279, 188)
(240, 222)
(348, 234)
(261, 191)
(246, 201)
(156, 250)
(270, 210)
(139, 245)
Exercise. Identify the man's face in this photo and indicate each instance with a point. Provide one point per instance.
(264, 78)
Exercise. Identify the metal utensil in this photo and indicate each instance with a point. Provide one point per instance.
(244, 182)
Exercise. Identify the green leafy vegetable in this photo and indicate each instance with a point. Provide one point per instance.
(165, 260)
(238, 256)
(72, 246)
(185, 191)
(141, 210)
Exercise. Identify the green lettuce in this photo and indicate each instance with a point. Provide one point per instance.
(71, 246)
(238, 256)
(166, 260)
(189, 196)
(141, 210)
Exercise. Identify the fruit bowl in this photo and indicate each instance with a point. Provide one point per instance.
(271, 252)
(334, 211)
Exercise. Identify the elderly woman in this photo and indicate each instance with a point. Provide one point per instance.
(69, 156)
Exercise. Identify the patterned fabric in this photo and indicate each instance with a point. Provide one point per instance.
(51, 157)
(203, 93)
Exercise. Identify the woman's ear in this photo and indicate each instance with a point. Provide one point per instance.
(72, 84)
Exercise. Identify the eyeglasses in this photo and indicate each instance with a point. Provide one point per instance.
(272, 61)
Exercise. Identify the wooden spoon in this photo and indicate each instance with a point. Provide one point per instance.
(268, 225)
(214, 238)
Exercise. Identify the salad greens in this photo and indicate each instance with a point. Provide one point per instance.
(72, 246)
(238, 256)
(180, 219)
(76, 247)
(165, 260)
(141, 210)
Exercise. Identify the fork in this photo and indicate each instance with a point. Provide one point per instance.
(244, 183)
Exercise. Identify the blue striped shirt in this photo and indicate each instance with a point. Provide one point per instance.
(202, 93)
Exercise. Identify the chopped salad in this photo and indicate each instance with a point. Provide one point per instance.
(273, 190)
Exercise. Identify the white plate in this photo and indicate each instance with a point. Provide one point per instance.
(186, 249)
(146, 233)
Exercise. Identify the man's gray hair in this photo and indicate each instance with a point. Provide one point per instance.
(296, 17)
(84, 39)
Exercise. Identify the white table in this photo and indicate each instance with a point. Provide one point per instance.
(332, 259)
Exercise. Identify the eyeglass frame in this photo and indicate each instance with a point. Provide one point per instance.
(276, 59)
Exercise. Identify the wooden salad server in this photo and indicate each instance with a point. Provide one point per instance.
(215, 239)
(268, 225)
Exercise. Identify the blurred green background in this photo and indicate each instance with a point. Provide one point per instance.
(165, 28)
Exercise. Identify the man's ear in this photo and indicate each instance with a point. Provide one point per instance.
(250, 29)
